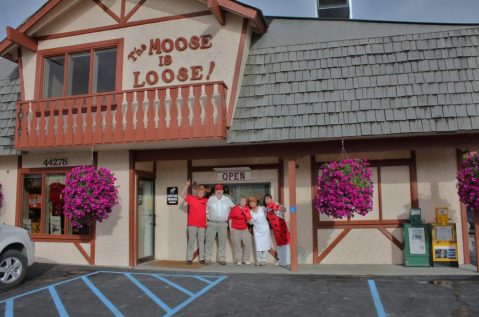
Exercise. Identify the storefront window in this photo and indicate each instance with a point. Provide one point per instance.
(42, 203)
(79, 81)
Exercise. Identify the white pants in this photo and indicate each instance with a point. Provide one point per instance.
(284, 255)
(261, 256)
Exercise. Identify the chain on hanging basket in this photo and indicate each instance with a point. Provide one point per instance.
(345, 187)
(468, 181)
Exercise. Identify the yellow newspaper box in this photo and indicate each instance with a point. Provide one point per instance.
(444, 240)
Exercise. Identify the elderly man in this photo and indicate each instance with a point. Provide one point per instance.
(218, 210)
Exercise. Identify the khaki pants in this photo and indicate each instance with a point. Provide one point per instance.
(238, 236)
(220, 228)
(193, 233)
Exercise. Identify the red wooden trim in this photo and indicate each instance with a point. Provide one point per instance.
(308, 148)
(132, 227)
(87, 257)
(333, 244)
(90, 77)
(380, 196)
(463, 209)
(239, 59)
(135, 8)
(314, 214)
(21, 39)
(93, 244)
(391, 223)
(4, 45)
(391, 238)
(19, 205)
(60, 239)
(122, 12)
(476, 234)
(79, 47)
(122, 25)
(216, 11)
(250, 13)
(281, 181)
(20, 74)
(108, 11)
(413, 175)
(292, 217)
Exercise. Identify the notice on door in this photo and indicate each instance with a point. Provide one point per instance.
(172, 195)
(417, 241)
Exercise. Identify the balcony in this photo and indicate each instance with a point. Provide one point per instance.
(195, 111)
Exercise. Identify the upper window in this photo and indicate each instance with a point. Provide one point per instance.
(333, 9)
(80, 73)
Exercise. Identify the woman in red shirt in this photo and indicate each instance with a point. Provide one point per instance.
(275, 215)
(240, 217)
(196, 222)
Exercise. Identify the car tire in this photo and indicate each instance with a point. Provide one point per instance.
(13, 269)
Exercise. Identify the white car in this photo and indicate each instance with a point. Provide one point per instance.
(16, 254)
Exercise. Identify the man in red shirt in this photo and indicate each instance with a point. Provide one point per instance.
(196, 222)
(240, 216)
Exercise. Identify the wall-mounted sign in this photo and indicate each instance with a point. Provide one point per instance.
(233, 174)
(56, 160)
(172, 196)
(163, 50)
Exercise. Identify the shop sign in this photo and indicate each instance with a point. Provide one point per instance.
(56, 160)
(172, 196)
(233, 174)
(163, 50)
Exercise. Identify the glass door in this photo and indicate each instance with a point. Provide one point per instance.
(146, 218)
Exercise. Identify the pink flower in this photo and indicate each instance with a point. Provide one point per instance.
(345, 188)
(468, 181)
(89, 195)
(1, 196)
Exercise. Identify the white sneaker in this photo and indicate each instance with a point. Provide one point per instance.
(276, 263)
(262, 263)
(238, 263)
(246, 262)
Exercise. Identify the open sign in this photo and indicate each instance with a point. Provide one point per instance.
(234, 176)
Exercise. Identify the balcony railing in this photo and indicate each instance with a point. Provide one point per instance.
(169, 113)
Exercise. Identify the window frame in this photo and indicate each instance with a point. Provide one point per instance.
(66, 51)
(46, 237)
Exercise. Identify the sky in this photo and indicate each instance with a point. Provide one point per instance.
(13, 12)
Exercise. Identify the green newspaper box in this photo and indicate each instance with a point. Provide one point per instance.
(416, 241)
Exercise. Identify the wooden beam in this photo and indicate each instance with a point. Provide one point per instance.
(21, 39)
(216, 11)
(333, 244)
(463, 209)
(292, 215)
(300, 149)
(108, 11)
(476, 234)
(253, 14)
(391, 238)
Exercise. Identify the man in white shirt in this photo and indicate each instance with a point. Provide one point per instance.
(218, 210)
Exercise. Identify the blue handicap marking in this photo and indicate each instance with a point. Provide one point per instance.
(209, 281)
(292, 209)
(376, 299)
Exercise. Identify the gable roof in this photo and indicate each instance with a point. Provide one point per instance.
(216, 6)
(415, 83)
(9, 95)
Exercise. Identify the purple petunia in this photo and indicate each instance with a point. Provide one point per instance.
(89, 195)
(468, 181)
(345, 188)
(1, 196)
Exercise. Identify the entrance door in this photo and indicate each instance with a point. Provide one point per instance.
(146, 218)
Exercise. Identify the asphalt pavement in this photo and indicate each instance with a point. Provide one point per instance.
(51, 290)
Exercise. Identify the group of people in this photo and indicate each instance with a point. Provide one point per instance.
(213, 216)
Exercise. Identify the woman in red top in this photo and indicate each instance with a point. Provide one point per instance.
(275, 215)
(196, 222)
(240, 217)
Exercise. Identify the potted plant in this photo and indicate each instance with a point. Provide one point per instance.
(89, 195)
(345, 188)
(468, 188)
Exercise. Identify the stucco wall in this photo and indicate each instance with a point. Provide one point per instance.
(112, 235)
(8, 179)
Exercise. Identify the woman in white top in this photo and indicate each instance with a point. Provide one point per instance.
(260, 231)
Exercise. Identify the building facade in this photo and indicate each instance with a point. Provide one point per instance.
(163, 91)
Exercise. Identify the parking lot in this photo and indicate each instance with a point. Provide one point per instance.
(80, 291)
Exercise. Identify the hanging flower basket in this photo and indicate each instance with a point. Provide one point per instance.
(89, 195)
(468, 181)
(1, 196)
(345, 188)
